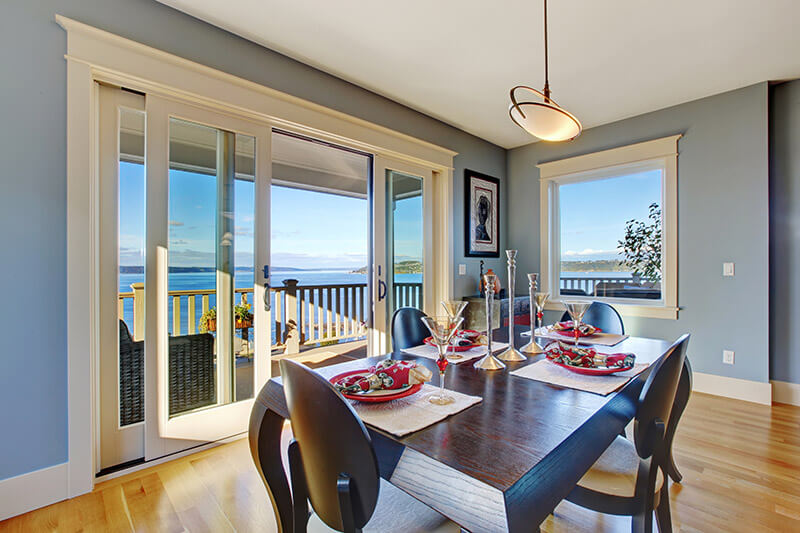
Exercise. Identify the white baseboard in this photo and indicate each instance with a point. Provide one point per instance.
(26, 492)
(738, 389)
(785, 392)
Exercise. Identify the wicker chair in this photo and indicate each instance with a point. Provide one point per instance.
(192, 382)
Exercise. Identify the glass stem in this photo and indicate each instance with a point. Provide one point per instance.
(441, 384)
(576, 324)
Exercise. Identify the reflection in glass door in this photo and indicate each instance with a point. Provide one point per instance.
(404, 240)
(210, 267)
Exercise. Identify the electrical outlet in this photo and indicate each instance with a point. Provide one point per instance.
(727, 357)
(727, 269)
(462, 270)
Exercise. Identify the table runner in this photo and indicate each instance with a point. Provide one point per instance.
(432, 352)
(412, 413)
(549, 372)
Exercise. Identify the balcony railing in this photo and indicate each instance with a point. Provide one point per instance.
(325, 313)
(626, 287)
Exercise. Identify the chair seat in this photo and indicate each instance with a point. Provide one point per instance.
(397, 512)
(615, 471)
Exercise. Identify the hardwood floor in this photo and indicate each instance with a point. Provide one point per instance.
(740, 462)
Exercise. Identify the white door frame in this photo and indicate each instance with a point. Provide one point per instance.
(95, 55)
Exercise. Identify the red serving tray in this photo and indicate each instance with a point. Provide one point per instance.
(374, 399)
(430, 342)
(593, 371)
(571, 333)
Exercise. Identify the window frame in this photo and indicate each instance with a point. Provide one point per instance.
(659, 153)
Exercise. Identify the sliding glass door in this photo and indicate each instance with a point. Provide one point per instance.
(402, 238)
(207, 249)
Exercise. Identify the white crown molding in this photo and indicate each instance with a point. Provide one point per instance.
(26, 492)
(118, 60)
(738, 389)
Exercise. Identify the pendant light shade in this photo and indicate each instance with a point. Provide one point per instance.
(543, 119)
(538, 114)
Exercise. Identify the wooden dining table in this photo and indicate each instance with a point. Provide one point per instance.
(500, 465)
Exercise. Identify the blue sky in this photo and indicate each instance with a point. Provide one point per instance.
(309, 229)
(593, 214)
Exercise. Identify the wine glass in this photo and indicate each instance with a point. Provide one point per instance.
(540, 298)
(442, 329)
(576, 310)
(454, 308)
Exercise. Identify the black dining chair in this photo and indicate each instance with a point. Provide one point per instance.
(629, 478)
(603, 316)
(407, 328)
(333, 465)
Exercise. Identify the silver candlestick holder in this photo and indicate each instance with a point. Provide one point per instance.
(533, 347)
(511, 353)
(489, 361)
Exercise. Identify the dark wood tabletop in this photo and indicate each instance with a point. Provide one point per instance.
(500, 465)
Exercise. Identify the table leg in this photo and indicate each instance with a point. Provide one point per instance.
(265, 439)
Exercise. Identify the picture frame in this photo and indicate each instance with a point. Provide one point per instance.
(481, 215)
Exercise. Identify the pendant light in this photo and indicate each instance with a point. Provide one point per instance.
(544, 119)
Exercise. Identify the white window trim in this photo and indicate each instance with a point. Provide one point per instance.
(93, 56)
(662, 152)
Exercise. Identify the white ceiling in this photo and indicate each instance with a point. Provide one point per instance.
(456, 59)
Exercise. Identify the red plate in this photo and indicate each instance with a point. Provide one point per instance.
(430, 342)
(593, 371)
(571, 333)
(385, 396)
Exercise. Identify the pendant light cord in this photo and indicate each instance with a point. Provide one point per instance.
(546, 70)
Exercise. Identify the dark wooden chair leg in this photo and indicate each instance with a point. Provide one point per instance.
(299, 490)
(344, 486)
(678, 406)
(663, 518)
(265, 447)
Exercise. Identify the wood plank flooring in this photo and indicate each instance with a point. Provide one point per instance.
(740, 461)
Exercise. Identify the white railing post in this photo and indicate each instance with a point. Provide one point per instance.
(138, 311)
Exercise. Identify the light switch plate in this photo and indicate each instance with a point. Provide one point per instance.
(727, 269)
(727, 357)
(462, 270)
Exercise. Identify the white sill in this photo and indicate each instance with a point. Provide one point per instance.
(624, 309)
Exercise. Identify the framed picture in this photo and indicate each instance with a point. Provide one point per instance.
(481, 215)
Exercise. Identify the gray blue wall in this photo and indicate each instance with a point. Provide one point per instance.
(722, 216)
(784, 249)
(33, 357)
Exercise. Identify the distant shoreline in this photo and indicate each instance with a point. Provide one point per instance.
(138, 269)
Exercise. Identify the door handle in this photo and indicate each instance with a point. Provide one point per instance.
(267, 304)
(381, 286)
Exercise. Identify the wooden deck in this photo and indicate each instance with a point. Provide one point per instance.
(740, 461)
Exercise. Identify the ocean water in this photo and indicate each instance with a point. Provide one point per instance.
(242, 279)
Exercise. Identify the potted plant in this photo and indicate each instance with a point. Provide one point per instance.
(208, 321)
(241, 312)
(244, 318)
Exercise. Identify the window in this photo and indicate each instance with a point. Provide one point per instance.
(609, 228)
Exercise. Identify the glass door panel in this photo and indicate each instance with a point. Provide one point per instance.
(404, 241)
(209, 246)
(402, 238)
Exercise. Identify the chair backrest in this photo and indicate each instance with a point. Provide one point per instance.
(603, 316)
(656, 399)
(407, 328)
(124, 333)
(332, 441)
